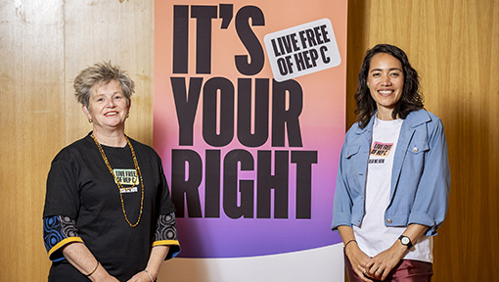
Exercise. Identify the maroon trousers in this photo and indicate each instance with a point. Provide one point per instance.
(406, 271)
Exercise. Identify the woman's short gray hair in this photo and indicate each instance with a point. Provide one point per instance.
(98, 74)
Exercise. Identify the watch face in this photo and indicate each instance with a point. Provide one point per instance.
(405, 240)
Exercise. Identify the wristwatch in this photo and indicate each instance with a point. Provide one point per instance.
(406, 241)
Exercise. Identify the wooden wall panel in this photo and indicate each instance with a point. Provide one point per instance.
(118, 31)
(43, 46)
(31, 126)
(454, 45)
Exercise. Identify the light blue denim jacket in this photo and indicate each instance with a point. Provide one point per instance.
(420, 176)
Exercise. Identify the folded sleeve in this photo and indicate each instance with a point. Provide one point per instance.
(166, 234)
(59, 231)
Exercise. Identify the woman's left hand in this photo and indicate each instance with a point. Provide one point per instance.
(380, 266)
(140, 277)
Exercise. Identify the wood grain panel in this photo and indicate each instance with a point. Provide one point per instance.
(118, 31)
(44, 45)
(31, 126)
(454, 46)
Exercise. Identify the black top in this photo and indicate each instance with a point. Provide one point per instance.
(80, 186)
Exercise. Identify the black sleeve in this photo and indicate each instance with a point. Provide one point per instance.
(62, 197)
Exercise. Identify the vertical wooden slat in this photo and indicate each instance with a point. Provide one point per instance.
(31, 126)
(118, 31)
(454, 46)
(44, 44)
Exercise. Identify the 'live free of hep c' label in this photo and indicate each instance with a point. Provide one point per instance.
(302, 49)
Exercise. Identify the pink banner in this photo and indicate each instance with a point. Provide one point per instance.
(249, 119)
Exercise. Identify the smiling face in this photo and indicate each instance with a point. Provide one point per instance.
(386, 83)
(108, 107)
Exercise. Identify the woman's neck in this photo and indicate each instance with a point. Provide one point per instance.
(114, 138)
(385, 114)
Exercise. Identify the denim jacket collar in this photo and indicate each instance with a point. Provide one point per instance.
(413, 119)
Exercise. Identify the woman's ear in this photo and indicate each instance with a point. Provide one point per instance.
(86, 112)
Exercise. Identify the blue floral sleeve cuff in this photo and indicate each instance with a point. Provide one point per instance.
(59, 231)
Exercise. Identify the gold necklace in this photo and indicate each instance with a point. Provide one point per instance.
(120, 186)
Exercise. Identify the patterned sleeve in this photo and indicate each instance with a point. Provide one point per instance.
(166, 234)
(59, 231)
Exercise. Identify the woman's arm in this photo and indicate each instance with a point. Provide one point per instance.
(432, 197)
(380, 266)
(358, 259)
(63, 242)
(79, 256)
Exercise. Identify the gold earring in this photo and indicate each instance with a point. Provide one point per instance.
(90, 120)
(127, 115)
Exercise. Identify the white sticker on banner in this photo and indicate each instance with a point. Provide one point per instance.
(302, 50)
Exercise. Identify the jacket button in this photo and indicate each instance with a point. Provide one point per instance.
(389, 220)
(415, 149)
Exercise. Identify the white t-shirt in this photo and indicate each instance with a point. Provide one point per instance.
(373, 236)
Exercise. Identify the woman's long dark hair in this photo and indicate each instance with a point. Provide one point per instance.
(411, 99)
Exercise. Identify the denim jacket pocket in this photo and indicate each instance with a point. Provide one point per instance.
(418, 147)
(414, 162)
(351, 151)
(352, 165)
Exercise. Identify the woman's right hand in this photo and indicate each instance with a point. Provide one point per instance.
(358, 259)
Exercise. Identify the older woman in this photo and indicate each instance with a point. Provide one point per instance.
(108, 214)
(393, 178)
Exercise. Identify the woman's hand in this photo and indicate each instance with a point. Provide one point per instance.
(140, 277)
(359, 260)
(380, 266)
